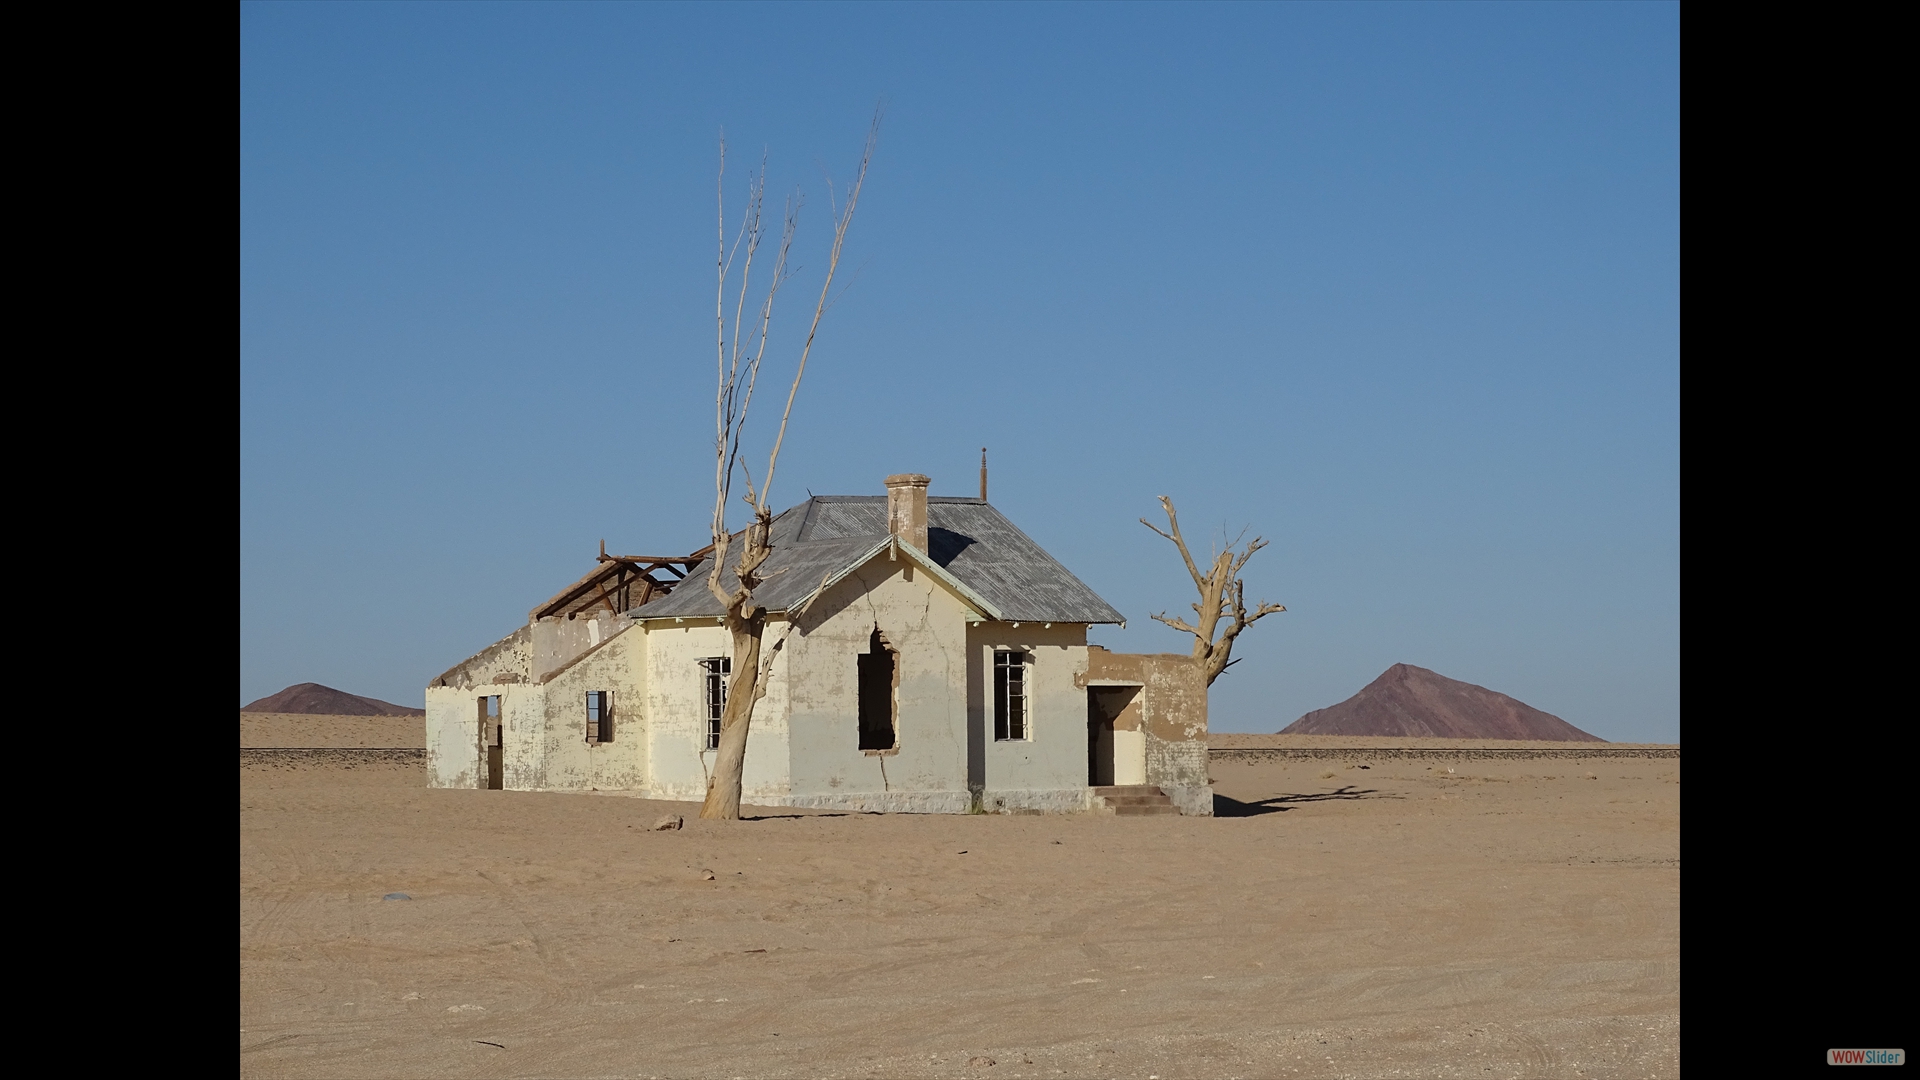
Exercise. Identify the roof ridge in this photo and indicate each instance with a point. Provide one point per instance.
(975, 500)
(997, 559)
(801, 530)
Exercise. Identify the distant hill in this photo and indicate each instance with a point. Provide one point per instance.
(310, 697)
(1412, 701)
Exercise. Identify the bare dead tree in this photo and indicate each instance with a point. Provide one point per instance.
(1221, 596)
(739, 355)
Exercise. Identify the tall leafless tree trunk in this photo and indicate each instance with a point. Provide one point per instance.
(1221, 595)
(739, 355)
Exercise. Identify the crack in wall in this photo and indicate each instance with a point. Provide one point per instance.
(923, 629)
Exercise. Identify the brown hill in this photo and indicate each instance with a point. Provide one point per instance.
(312, 698)
(1408, 700)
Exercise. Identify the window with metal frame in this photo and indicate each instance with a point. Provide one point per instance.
(1012, 716)
(599, 716)
(717, 669)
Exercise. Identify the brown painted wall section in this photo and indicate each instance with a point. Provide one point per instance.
(1173, 707)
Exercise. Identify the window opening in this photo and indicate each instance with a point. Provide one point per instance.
(491, 741)
(1010, 711)
(877, 668)
(599, 716)
(717, 669)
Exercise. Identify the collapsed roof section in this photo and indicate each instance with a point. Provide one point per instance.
(620, 583)
(818, 541)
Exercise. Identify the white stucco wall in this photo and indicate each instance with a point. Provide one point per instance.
(567, 761)
(558, 639)
(925, 624)
(523, 745)
(804, 745)
(453, 739)
(677, 762)
(454, 754)
(1048, 769)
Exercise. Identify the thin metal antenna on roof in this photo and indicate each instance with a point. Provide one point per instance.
(983, 474)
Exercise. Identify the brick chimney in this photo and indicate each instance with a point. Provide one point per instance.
(907, 508)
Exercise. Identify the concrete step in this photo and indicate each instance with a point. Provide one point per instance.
(1135, 800)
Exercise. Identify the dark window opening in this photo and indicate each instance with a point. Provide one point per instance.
(877, 667)
(717, 669)
(1009, 694)
(599, 716)
(492, 741)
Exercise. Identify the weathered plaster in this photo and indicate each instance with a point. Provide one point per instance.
(1072, 800)
(924, 621)
(523, 749)
(453, 746)
(558, 640)
(1053, 756)
(676, 712)
(879, 802)
(454, 754)
(907, 508)
(566, 760)
(1171, 722)
(509, 660)
(803, 749)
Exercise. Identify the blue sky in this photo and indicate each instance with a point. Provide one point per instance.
(1394, 286)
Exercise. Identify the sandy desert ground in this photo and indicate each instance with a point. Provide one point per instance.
(1366, 916)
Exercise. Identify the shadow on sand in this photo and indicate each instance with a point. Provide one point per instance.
(1228, 807)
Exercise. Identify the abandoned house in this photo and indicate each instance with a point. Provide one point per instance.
(927, 657)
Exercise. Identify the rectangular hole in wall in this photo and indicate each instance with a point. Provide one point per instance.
(1104, 706)
(877, 670)
(492, 741)
(599, 716)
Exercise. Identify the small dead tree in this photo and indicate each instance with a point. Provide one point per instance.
(739, 355)
(1222, 596)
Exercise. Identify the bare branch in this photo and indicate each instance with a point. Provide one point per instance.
(1247, 554)
(848, 287)
(1175, 623)
(739, 355)
(1173, 519)
(1150, 525)
(792, 222)
(720, 346)
(1222, 607)
(820, 307)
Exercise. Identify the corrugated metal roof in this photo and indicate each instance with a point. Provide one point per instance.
(967, 537)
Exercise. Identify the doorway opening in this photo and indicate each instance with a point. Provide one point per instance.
(879, 679)
(492, 738)
(1104, 705)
